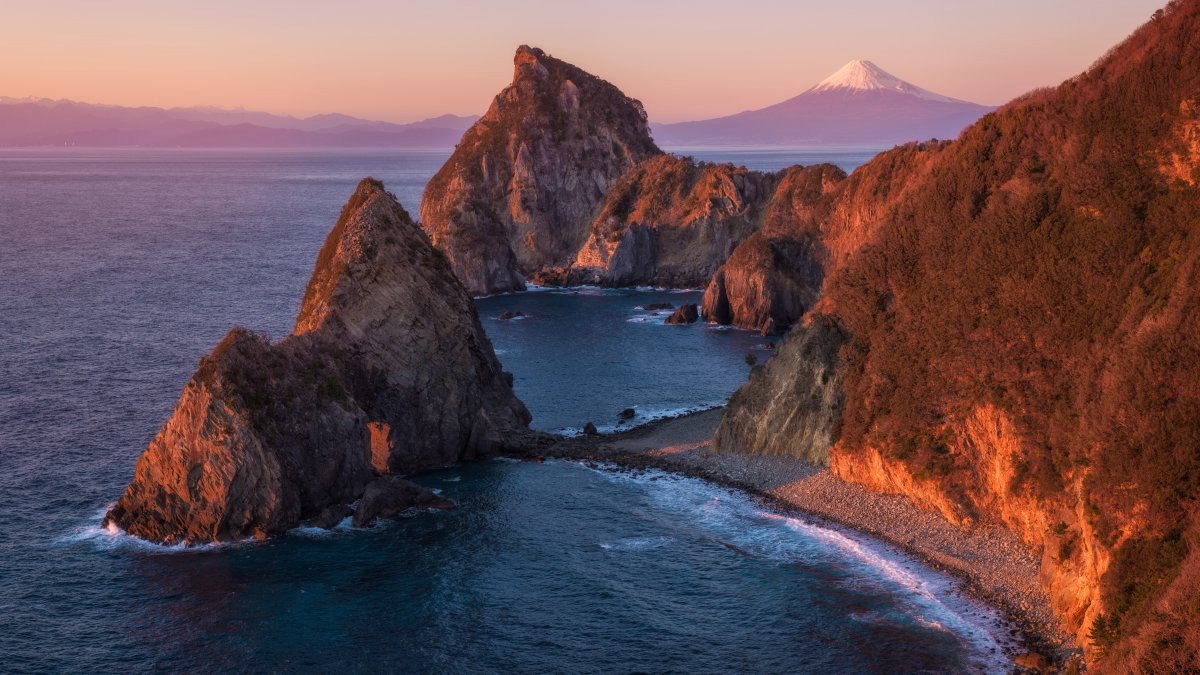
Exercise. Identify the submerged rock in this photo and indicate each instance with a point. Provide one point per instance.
(388, 370)
(390, 496)
(684, 315)
(627, 414)
(510, 314)
(658, 305)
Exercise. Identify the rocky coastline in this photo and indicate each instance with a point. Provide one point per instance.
(560, 184)
(984, 341)
(388, 372)
(991, 562)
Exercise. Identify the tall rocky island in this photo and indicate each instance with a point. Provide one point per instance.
(1007, 332)
(527, 179)
(387, 372)
(560, 183)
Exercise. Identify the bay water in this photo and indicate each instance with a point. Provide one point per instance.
(119, 269)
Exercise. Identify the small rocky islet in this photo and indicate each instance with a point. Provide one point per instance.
(933, 324)
(387, 372)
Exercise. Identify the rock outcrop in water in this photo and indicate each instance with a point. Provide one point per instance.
(1007, 332)
(528, 178)
(388, 371)
(686, 314)
(669, 221)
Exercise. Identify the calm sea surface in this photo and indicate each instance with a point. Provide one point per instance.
(119, 269)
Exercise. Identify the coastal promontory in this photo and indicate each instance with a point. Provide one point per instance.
(1006, 334)
(387, 372)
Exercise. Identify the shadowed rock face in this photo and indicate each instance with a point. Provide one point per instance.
(388, 371)
(686, 314)
(671, 222)
(792, 404)
(527, 179)
(775, 275)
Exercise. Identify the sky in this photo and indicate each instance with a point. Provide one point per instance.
(403, 61)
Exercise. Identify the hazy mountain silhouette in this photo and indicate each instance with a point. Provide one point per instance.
(860, 104)
(44, 122)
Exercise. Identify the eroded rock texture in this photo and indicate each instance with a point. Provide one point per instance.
(528, 178)
(671, 222)
(388, 371)
(1018, 311)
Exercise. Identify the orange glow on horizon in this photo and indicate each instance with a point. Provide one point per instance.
(407, 61)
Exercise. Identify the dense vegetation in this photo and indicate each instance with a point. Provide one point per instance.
(1048, 265)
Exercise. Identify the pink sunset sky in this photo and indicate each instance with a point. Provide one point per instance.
(402, 61)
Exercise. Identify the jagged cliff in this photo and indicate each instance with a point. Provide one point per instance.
(815, 220)
(775, 275)
(669, 221)
(388, 371)
(1017, 342)
(526, 181)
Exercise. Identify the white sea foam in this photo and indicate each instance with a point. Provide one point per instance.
(309, 532)
(642, 416)
(637, 543)
(664, 289)
(651, 318)
(924, 596)
(110, 537)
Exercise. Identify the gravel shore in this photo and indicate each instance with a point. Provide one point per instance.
(991, 563)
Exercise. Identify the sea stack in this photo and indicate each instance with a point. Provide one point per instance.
(525, 182)
(670, 222)
(816, 220)
(388, 371)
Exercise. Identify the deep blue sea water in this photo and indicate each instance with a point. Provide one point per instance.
(119, 269)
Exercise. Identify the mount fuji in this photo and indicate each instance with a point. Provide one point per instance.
(860, 104)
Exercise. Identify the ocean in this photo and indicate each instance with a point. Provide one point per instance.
(121, 268)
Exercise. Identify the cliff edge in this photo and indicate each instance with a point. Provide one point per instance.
(523, 184)
(388, 371)
(1017, 320)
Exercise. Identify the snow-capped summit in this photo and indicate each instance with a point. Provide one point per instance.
(860, 104)
(861, 75)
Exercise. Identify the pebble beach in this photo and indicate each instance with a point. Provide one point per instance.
(991, 562)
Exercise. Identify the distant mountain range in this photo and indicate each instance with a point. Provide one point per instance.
(45, 122)
(860, 104)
